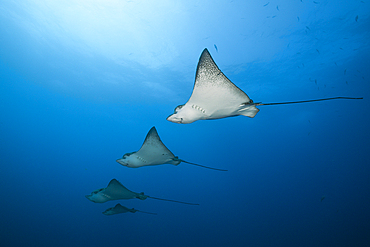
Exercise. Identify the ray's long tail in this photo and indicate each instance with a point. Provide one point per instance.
(305, 101)
(177, 159)
(168, 200)
(217, 169)
(145, 212)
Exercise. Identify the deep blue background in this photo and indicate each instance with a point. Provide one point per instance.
(83, 82)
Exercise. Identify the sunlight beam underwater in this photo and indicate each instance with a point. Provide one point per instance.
(214, 96)
(116, 191)
(154, 152)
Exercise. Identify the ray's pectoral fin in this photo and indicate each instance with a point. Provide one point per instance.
(180, 160)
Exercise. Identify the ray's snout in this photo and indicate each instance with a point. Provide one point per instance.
(122, 162)
(174, 119)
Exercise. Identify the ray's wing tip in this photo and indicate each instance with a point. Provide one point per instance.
(153, 130)
(205, 52)
(114, 182)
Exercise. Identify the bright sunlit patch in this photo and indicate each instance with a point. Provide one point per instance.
(139, 31)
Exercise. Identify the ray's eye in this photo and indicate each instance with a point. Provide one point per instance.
(178, 108)
(127, 155)
(97, 191)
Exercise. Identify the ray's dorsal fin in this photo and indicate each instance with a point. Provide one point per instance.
(177, 159)
(304, 101)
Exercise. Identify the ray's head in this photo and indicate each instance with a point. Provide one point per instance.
(126, 160)
(184, 114)
(97, 196)
(109, 211)
(132, 160)
(175, 117)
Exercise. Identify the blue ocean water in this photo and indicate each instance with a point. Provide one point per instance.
(83, 82)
